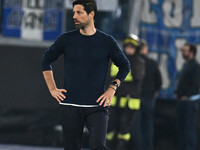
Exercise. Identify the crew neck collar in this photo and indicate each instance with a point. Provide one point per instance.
(87, 35)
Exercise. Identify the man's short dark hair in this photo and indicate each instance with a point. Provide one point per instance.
(143, 43)
(89, 5)
(192, 49)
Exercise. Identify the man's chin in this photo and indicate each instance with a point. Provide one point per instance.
(185, 57)
(78, 26)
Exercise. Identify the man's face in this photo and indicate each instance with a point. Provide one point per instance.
(81, 18)
(186, 52)
(144, 50)
(129, 50)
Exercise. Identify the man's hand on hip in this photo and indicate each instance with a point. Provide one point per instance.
(58, 94)
(106, 98)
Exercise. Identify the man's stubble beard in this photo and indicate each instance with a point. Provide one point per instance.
(185, 57)
(82, 25)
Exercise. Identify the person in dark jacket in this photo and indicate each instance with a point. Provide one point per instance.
(144, 126)
(127, 101)
(187, 86)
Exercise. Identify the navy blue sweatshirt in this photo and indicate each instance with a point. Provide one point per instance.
(86, 62)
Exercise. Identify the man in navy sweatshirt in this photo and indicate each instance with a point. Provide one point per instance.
(84, 99)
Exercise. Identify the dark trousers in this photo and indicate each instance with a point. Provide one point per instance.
(143, 131)
(73, 120)
(187, 124)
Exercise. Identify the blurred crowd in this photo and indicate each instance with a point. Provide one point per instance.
(131, 124)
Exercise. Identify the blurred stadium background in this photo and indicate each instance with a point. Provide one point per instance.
(29, 115)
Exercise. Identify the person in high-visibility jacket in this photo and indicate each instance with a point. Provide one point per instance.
(127, 100)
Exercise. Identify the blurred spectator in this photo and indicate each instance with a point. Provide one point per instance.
(188, 85)
(127, 101)
(144, 126)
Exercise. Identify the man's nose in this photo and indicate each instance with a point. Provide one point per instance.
(74, 16)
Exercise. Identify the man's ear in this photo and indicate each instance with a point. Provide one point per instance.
(92, 14)
(191, 55)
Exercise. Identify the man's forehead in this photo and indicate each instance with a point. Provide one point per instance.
(129, 47)
(186, 47)
(78, 7)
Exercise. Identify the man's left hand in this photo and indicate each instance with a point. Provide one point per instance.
(106, 98)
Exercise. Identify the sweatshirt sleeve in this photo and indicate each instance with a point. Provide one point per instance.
(119, 59)
(54, 51)
(157, 77)
(195, 82)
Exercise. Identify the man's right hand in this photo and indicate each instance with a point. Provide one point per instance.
(58, 94)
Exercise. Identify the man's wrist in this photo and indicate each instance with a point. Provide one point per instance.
(51, 89)
(118, 82)
(113, 88)
(115, 83)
